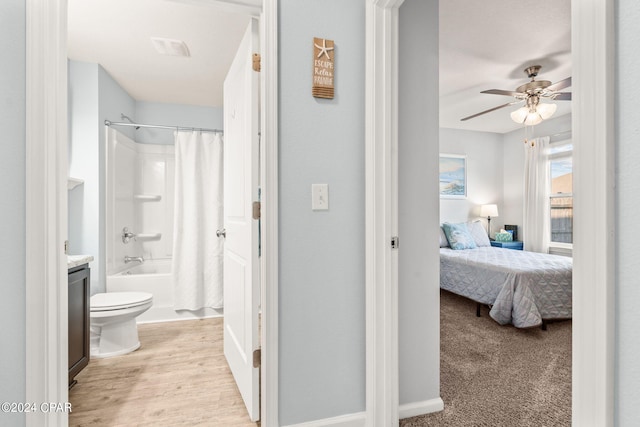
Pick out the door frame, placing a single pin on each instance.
(46, 209)
(381, 219)
(594, 268)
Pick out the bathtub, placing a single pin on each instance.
(154, 276)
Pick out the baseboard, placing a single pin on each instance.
(350, 420)
(420, 408)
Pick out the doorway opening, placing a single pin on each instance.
(164, 190)
(592, 395)
(482, 164)
(47, 75)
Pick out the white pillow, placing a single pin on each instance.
(478, 233)
(444, 243)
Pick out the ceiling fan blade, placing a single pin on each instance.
(562, 96)
(561, 84)
(502, 92)
(490, 110)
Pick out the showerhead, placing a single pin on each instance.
(123, 117)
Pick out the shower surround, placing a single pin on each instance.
(140, 197)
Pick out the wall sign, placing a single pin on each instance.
(323, 68)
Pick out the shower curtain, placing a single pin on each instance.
(197, 252)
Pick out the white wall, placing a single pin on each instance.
(120, 205)
(155, 172)
(627, 124)
(418, 266)
(484, 175)
(135, 170)
(12, 207)
(321, 253)
(513, 196)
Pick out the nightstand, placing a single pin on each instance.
(508, 245)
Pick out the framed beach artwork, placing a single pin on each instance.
(453, 176)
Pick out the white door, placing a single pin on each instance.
(241, 266)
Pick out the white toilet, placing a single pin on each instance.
(113, 322)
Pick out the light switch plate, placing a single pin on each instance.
(319, 197)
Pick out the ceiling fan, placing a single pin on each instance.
(534, 111)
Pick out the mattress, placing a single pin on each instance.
(522, 288)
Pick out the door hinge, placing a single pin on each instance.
(256, 210)
(257, 356)
(66, 247)
(256, 62)
(395, 242)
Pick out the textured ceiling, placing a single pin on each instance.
(483, 45)
(487, 45)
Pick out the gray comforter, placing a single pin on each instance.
(521, 287)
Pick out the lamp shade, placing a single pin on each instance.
(546, 110)
(533, 115)
(533, 119)
(520, 114)
(488, 210)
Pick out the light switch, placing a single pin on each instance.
(319, 197)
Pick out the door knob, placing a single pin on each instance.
(222, 233)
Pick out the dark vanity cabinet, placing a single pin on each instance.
(78, 320)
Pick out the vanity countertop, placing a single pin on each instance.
(76, 260)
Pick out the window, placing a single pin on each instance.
(561, 193)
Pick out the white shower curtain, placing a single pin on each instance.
(536, 196)
(197, 251)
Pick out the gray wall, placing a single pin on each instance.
(12, 206)
(321, 271)
(418, 266)
(484, 175)
(627, 125)
(83, 156)
(173, 115)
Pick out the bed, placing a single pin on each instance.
(522, 288)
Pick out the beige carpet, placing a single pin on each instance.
(494, 375)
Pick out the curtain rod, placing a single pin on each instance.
(177, 128)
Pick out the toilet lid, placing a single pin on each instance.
(119, 300)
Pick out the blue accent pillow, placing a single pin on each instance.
(459, 236)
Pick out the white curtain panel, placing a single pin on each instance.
(536, 227)
(197, 251)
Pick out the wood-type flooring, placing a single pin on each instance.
(178, 377)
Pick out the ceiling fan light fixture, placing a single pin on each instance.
(534, 112)
(533, 118)
(520, 115)
(546, 110)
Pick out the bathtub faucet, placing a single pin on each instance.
(128, 259)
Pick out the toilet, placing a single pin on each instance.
(113, 322)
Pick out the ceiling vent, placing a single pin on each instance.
(170, 47)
